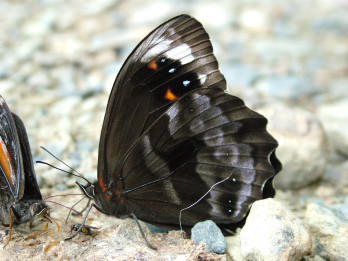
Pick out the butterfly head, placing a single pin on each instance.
(40, 209)
(87, 189)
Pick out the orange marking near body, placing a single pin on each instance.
(102, 184)
(5, 161)
(118, 192)
(153, 65)
(170, 96)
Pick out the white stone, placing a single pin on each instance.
(273, 233)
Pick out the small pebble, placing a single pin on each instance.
(209, 233)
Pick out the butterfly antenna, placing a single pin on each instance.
(217, 183)
(71, 209)
(59, 160)
(63, 195)
(68, 172)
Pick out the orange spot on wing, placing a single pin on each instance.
(5, 161)
(170, 96)
(102, 184)
(153, 65)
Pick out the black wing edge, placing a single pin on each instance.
(31, 189)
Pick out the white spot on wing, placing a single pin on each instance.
(185, 52)
(156, 50)
(202, 78)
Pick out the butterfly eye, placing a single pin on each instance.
(36, 208)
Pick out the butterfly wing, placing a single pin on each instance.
(203, 138)
(11, 165)
(31, 189)
(175, 58)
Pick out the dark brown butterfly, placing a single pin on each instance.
(171, 132)
(20, 196)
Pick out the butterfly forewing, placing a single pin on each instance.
(171, 61)
(10, 155)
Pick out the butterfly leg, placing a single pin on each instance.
(84, 209)
(142, 231)
(78, 212)
(11, 225)
(84, 221)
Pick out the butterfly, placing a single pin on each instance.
(171, 132)
(20, 196)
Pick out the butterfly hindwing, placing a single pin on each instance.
(31, 187)
(204, 137)
(174, 59)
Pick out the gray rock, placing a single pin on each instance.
(112, 39)
(27, 48)
(240, 75)
(334, 119)
(209, 233)
(272, 232)
(156, 229)
(344, 206)
(330, 227)
(271, 48)
(336, 90)
(286, 87)
(4, 72)
(338, 174)
(337, 24)
(302, 145)
(255, 20)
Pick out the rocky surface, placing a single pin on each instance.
(329, 227)
(58, 61)
(273, 233)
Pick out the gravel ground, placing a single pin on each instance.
(287, 59)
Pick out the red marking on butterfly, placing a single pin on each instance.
(170, 96)
(153, 65)
(102, 184)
